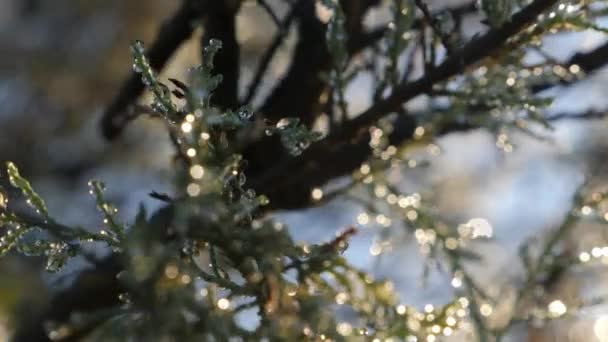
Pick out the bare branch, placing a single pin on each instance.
(434, 24)
(283, 30)
(270, 12)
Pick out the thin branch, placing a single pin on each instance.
(283, 30)
(342, 152)
(270, 12)
(471, 53)
(588, 62)
(434, 24)
(221, 24)
(591, 115)
(177, 30)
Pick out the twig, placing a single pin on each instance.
(270, 12)
(541, 262)
(435, 25)
(283, 29)
(472, 52)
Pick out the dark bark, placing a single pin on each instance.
(289, 183)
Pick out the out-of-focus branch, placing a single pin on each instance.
(592, 60)
(270, 12)
(283, 30)
(301, 86)
(341, 153)
(469, 54)
(588, 62)
(220, 24)
(298, 93)
(434, 24)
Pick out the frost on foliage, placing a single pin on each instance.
(116, 230)
(40, 234)
(162, 94)
(337, 38)
(231, 120)
(497, 11)
(189, 269)
(202, 82)
(398, 38)
(294, 136)
(32, 198)
(250, 261)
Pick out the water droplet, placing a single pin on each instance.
(3, 199)
(138, 47)
(125, 298)
(284, 123)
(146, 81)
(245, 114)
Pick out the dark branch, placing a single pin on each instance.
(302, 85)
(297, 93)
(341, 153)
(220, 24)
(283, 30)
(589, 62)
(270, 12)
(434, 24)
(471, 53)
(591, 115)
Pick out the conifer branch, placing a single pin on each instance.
(469, 54)
(172, 34)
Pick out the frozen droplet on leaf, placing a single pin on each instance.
(263, 200)
(304, 144)
(245, 114)
(125, 298)
(3, 199)
(285, 122)
(250, 194)
(242, 179)
(214, 44)
(137, 47)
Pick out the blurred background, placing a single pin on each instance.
(62, 61)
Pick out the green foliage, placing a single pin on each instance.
(294, 136)
(193, 266)
(162, 95)
(32, 198)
